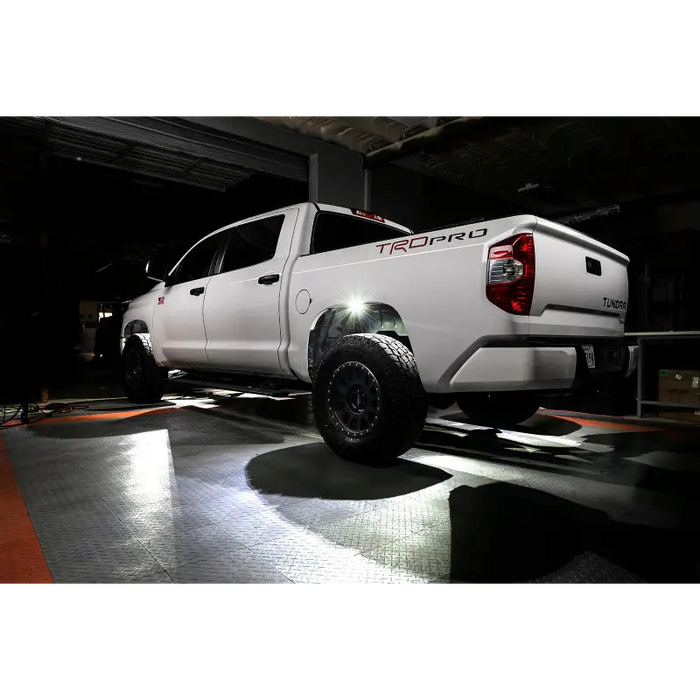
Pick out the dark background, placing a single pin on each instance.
(81, 218)
(81, 232)
(72, 230)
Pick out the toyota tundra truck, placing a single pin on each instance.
(380, 322)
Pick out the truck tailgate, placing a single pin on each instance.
(580, 284)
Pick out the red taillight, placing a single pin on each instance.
(511, 274)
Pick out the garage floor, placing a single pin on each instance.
(218, 487)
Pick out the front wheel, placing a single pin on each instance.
(144, 380)
(369, 402)
(495, 411)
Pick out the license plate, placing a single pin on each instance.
(590, 356)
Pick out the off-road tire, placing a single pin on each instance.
(498, 412)
(400, 406)
(149, 385)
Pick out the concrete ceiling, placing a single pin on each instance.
(557, 164)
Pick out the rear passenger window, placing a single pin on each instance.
(335, 231)
(253, 243)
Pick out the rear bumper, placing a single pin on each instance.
(542, 368)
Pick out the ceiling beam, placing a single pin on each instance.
(184, 138)
(381, 127)
(419, 142)
(462, 128)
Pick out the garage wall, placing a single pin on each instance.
(682, 216)
(398, 195)
(336, 178)
(422, 202)
(335, 174)
(662, 244)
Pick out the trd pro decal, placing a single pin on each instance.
(408, 244)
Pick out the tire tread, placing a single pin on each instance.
(394, 366)
(153, 382)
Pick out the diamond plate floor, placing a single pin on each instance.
(227, 489)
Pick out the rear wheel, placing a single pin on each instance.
(369, 402)
(498, 411)
(144, 380)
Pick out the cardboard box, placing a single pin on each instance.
(679, 386)
(687, 416)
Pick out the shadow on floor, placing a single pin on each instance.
(661, 462)
(314, 471)
(503, 533)
(675, 472)
(185, 428)
(537, 425)
(234, 423)
(631, 445)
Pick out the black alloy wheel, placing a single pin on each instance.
(355, 398)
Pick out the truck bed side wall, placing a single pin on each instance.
(438, 288)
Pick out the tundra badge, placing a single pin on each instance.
(614, 304)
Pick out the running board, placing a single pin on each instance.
(182, 379)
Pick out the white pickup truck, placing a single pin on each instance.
(383, 322)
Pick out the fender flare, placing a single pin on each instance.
(135, 326)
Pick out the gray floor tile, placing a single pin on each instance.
(257, 528)
(239, 567)
(72, 561)
(231, 501)
(425, 554)
(193, 547)
(590, 568)
(150, 524)
(309, 558)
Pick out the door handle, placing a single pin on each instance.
(196, 291)
(268, 279)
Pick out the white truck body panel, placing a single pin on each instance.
(242, 317)
(568, 300)
(178, 323)
(516, 369)
(436, 281)
(437, 290)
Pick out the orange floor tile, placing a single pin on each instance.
(21, 558)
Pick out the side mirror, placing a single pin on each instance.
(157, 269)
